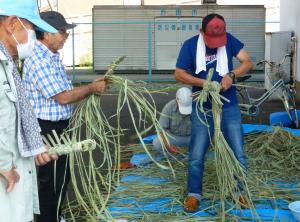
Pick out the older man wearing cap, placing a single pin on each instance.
(20, 140)
(175, 120)
(52, 96)
(212, 48)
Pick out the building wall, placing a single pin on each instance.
(272, 11)
(125, 31)
(79, 11)
(289, 21)
(288, 15)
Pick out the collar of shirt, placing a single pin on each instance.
(42, 49)
(2, 56)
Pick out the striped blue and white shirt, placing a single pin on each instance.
(44, 77)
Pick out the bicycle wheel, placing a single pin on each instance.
(290, 105)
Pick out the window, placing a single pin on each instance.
(194, 12)
(163, 12)
(178, 12)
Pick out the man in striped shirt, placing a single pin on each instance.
(52, 96)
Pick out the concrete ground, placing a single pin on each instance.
(83, 75)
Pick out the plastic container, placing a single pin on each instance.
(295, 208)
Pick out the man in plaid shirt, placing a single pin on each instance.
(52, 96)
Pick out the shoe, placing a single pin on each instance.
(126, 165)
(191, 204)
(244, 202)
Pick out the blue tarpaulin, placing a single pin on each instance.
(267, 210)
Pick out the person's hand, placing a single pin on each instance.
(172, 149)
(226, 82)
(44, 158)
(209, 86)
(11, 177)
(98, 86)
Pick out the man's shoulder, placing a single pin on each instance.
(38, 56)
(170, 105)
(231, 39)
(192, 40)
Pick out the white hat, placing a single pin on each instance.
(184, 100)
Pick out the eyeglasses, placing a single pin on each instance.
(64, 32)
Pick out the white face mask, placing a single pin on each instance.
(25, 49)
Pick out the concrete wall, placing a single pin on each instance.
(289, 21)
(79, 11)
(158, 47)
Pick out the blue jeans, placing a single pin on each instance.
(200, 141)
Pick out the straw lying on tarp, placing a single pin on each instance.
(140, 187)
(274, 156)
(138, 190)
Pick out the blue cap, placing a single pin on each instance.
(26, 9)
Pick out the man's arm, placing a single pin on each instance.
(184, 77)
(165, 122)
(170, 147)
(79, 93)
(245, 65)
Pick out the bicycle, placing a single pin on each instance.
(281, 82)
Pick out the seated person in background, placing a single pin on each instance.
(175, 120)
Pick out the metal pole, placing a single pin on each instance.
(149, 52)
(73, 55)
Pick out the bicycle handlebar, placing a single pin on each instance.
(272, 64)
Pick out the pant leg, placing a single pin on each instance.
(51, 188)
(157, 144)
(179, 141)
(199, 143)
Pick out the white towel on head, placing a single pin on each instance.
(222, 60)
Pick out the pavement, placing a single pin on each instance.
(84, 75)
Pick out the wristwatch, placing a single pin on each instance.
(231, 74)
